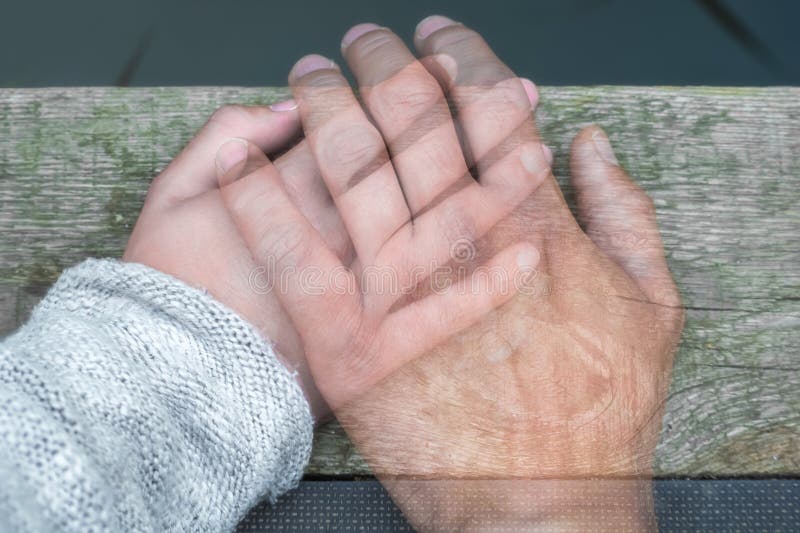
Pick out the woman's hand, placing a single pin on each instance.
(185, 230)
(321, 249)
(407, 200)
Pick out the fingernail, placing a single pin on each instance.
(548, 154)
(603, 147)
(310, 64)
(448, 65)
(286, 105)
(357, 31)
(431, 24)
(231, 153)
(531, 156)
(531, 91)
(528, 257)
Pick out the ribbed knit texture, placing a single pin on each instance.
(133, 402)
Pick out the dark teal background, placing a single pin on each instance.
(247, 42)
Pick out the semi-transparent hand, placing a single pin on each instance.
(565, 383)
(354, 319)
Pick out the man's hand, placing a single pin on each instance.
(566, 382)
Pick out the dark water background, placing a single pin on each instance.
(556, 42)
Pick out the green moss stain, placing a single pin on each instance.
(42, 275)
(121, 211)
(30, 150)
(704, 125)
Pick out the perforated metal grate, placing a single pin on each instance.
(681, 505)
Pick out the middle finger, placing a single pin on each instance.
(407, 104)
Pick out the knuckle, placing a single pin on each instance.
(628, 242)
(229, 115)
(350, 150)
(441, 157)
(355, 149)
(646, 203)
(286, 244)
(634, 199)
(458, 226)
(456, 36)
(650, 204)
(243, 204)
(507, 95)
(248, 203)
(320, 79)
(371, 43)
(672, 310)
(409, 93)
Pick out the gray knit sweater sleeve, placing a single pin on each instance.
(132, 402)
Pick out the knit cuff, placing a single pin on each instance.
(221, 382)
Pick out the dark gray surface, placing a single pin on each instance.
(255, 42)
(681, 505)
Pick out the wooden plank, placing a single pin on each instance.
(723, 166)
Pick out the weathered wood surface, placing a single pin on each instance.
(723, 166)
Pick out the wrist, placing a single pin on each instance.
(320, 410)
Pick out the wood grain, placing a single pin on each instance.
(723, 166)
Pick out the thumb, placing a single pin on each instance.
(618, 216)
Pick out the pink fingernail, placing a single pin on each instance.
(431, 24)
(286, 105)
(231, 153)
(310, 64)
(531, 156)
(448, 64)
(603, 147)
(531, 91)
(357, 31)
